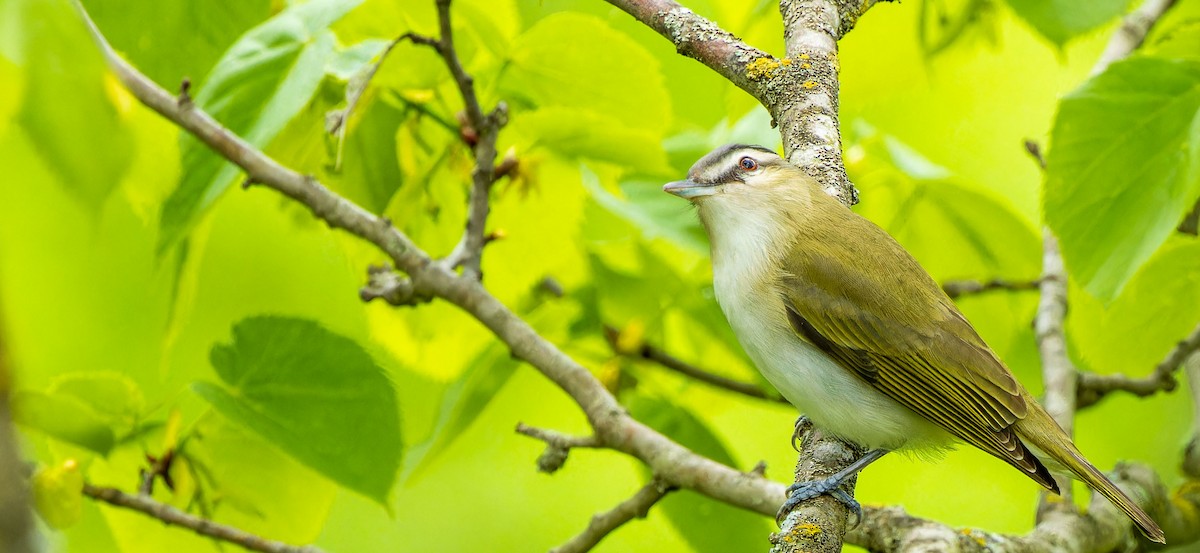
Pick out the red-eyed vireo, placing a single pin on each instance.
(853, 332)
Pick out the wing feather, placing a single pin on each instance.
(917, 349)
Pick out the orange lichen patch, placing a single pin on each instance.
(762, 67)
(785, 61)
(804, 56)
(809, 84)
(806, 65)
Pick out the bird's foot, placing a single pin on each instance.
(802, 426)
(803, 491)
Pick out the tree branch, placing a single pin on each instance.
(17, 533)
(603, 524)
(614, 427)
(674, 464)
(479, 131)
(666, 360)
(1093, 387)
(1058, 373)
(958, 288)
(558, 445)
(170, 515)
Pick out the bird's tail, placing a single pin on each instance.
(1058, 446)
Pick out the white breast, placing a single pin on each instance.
(833, 397)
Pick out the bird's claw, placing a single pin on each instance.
(803, 491)
(802, 425)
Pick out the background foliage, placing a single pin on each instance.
(149, 308)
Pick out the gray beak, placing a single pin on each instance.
(689, 189)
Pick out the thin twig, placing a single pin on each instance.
(338, 120)
(479, 131)
(603, 524)
(170, 515)
(959, 288)
(558, 445)
(613, 426)
(666, 360)
(1093, 387)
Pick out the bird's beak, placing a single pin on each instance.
(689, 189)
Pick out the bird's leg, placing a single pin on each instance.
(803, 491)
(802, 426)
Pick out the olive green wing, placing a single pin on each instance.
(881, 316)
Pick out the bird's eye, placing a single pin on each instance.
(748, 164)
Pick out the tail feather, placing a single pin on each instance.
(1057, 445)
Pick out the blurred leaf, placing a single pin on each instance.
(654, 212)
(370, 172)
(185, 39)
(64, 418)
(1123, 168)
(1062, 20)
(955, 230)
(351, 61)
(485, 376)
(707, 525)
(1156, 310)
(944, 23)
(316, 395)
(1181, 40)
(58, 494)
(112, 396)
(551, 67)
(462, 403)
(581, 133)
(264, 79)
(68, 109)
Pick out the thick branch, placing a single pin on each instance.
(1093, 387)
(697, 38)
(1103, 529)
(674, 464)
(204, 527)
(603, 524)
(677, 465)
(666, 360)
(1191, 456)
(1058, 373)
(17, 534)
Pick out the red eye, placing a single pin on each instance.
(748, 164)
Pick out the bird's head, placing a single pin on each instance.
(740, 184)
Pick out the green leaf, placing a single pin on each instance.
(655, 213)
(551, 67)
(67, 109)
(1123, 168)
(463, 401)
(264, 79)
(581, 133)
(707, 525)
(186, 38)
(114, 397)
(370, 172)
(1062, 20)
(1157, 309)
(955, 229)
(316, 395)
(64, 418)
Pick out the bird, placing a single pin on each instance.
(851, 330)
